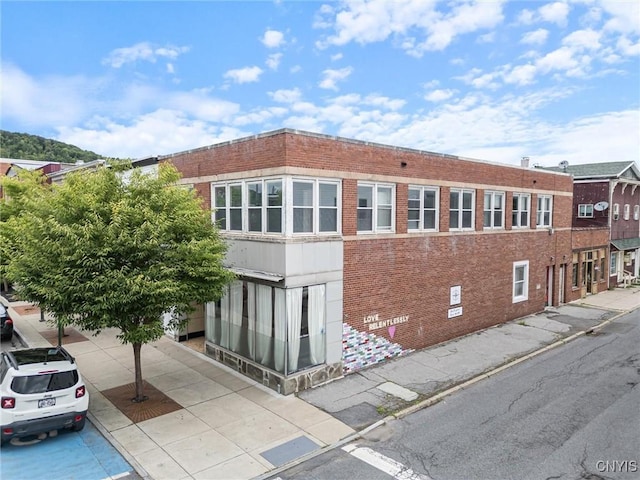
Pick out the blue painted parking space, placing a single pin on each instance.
(84, 455)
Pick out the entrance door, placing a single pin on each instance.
(550, 271)
(561, 280)
(588, 274)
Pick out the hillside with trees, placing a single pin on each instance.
(32, 147)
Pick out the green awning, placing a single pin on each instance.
(626, 243)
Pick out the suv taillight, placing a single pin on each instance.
(80, 391)
(8, 402)
(8, 322)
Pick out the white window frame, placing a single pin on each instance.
(626, 211)
(520, 297)
(422, 209)
(492, 210)
(460, 211)
(517, 212)
(585, 210)
(316, 206)
(636, 212)
(616, 211)
(375, 207)
(286, 207)
(542, 210)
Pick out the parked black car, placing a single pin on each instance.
(7, 323)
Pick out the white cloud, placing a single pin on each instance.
(555, 13)
(156, 133)
(419, 25)
(521, 75)
(273, 61)
(47, 101)
(535, 37)
(141, 51)
(286, 96)
(439, 95)
(244, 75)
(272, 39)
(625, 16)
(583, 39)
(331, 77)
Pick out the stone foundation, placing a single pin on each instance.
(284, 385)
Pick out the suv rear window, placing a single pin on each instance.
(48, 382)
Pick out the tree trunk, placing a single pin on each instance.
(138, 369)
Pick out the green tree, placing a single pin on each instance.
(17, 194)
(119, 249)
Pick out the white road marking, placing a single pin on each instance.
(116, 477)
(385, 464)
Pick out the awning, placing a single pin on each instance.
(268, 276)
(626, 243)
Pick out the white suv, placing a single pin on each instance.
(42, 391)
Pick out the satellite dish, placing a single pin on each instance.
(563, 164)
(600, 206)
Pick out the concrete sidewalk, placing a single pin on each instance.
(230, 427)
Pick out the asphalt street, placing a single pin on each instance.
(572, 412)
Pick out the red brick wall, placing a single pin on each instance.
(412, 276)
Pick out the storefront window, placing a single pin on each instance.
(281, 329)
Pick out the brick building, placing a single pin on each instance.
(349, 253)
(606, 225)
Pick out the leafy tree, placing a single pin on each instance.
(17, 193)
(107, 249)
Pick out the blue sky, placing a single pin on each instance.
(493, 80)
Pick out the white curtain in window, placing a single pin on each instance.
(210, 321)
(224, 324)
(280, 313)
(294, 316)
(316, 309)
(251, 327)
(264, 321)
(235, 314)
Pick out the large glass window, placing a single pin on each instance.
(494, 210)
(543, 214)
(258, 206)
(461, 206)
(254, 201)
(423, 208)
(220, 206)
(520, 210)
(274, 206)
(302, 206)
(376, 207)
(520, 281)
(235, 207)
(281, 329)
(328, 207)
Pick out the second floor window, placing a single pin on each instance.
(258, 206)
(585, 210)
(461, 206)
(494, 210)
(422, 208)
(626, 211)
(543, 215)
(375, 207)
(520, 212)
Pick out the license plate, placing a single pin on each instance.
(46, 402)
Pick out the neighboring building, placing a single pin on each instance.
(606, 223)
(349, 253)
